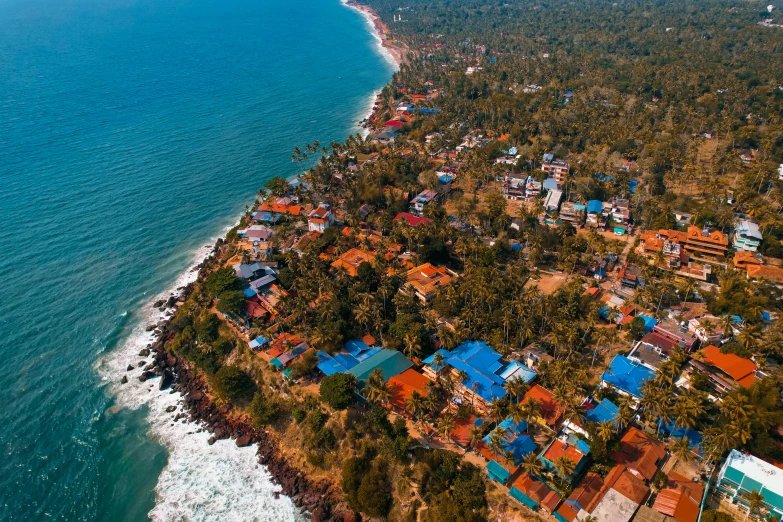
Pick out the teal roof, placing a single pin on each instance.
(497, 472)
(773, 499)
(748, 484)
(390, 362)
(734, 475)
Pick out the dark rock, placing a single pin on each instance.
(129, 368)
(141, 364)
(170, 409)
(165, 380)
(150, 327)
(196, 396)
(243, 441)
(149, 367)
(171, 301)
(211, 440)
(145, 352)
(124, 379)
(159, 303)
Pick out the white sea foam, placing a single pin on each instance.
(383, 51)
(200, 482)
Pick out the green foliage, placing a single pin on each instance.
(263, 409)
(337, 390)
(231, 302)
(233, 384)
(636, 328)
(277, 187)
(222, 280)
(374, 493)
(207, 328)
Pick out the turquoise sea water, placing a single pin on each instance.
(133, 132)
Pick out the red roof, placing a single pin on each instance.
(412, 220)
(640, 453)
(559, 449)
(664, 343)
(403, 385)
(740, 369)
(625, 483)
(550, 411)
(680, 499)
(393, 123)
(584, 493)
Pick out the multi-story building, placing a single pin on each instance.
(706, 241)
(556, 169)
(747, 236)
(514, 186)
(320, 218)
(425, 280)
(742, 474)
(573, 212)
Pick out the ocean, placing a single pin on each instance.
(132, 135)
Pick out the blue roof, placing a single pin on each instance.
(259, 341)
(517, 428)
(249, 292)
(550, 184)
(627, 376)
(632, 185)
(595, 206)
(355, 346)
(694, 437)
(605, 411)
(520, 446)
(429, 360)
(649, 323)
(480, 362)
(517, 370)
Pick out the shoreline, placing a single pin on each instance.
(395, 49)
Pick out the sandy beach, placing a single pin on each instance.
(398, 50)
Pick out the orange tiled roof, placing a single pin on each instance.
(680, 499)
(294, 210)
(716, 237)
(742, 259)
(550, 411)
(640, 453)
(427, 278)
(403, 385)
(550, 502)
(531, 487)
(772, 273)
(351, 260)
(740, 369)
(559, 449)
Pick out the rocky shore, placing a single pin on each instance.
(319, 500)
(397, 49)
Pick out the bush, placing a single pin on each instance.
(298, 415)
(636, 328)
(207, 328)
(263, 410)
(233, 384)
(337, 390)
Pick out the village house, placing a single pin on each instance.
(725, 370)
(533, 493)
(425, 280)
(587, 489)
(550, 413)
(425, 198)
(402, 386)
(770, 273)
(514, 186)
(532, 189)
(412, 220)
(595, 217)
(351, 260)
(639, 453)
(626, 376)
(620, 496)
(708, 329)
(652, 350)
(555, 169)
(746, 236)
(680, 499)
(552, 204)
(573, 212)
(486, 371)
(577, 453)
(320, 218)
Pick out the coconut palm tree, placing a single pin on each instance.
(681, 448)
(516, 388)
(476, 436)
(755, 502)
(497, 439)
(532, 465)
(377, 391)
(412, 346)
(414, 405)
(446, 425)
(605, 431)
(564, 467)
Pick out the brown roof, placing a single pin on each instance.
(715, 237)
(640, 453)
(624, 482)
(772, 273)
(680, 499)
(531, 487)
(742, 259)
(584, 493)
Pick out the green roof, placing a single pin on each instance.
(390, 362)
(524, 499)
